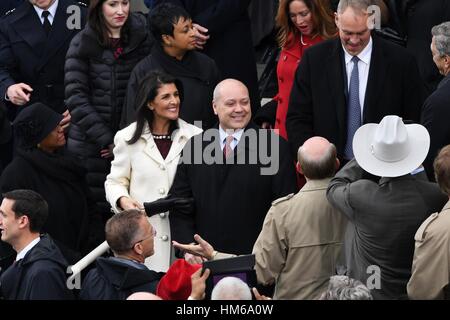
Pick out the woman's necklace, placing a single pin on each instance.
(161, 136)
(301, 40)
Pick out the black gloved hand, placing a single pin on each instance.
(168, 203)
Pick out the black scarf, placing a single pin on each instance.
(57, 165)
(189, 67)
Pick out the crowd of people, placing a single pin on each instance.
(138, 129)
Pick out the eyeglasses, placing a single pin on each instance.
(152, 235)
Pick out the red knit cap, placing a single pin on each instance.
(176, 283)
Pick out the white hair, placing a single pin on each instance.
(231, 288)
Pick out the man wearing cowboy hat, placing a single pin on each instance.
(384, 215)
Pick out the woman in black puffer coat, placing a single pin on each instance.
(98, 66)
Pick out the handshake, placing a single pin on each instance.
(182, 205)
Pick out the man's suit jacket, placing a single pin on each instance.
(318, 101)
(383, 218)
(231, 200)
(435, 115)
(27, 55)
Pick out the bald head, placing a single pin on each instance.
(227, 84)
(231, 103)
(317, 158)
(143, 296)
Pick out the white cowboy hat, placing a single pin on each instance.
(390, 148)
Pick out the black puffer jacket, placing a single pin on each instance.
(96, 84)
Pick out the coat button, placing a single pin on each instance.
(162, 167)
(162, 215)
(284, 58)
(165, 238)
(162, 191)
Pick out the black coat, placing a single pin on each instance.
(318, 101)
(27, 55)
(7, 5)
(230, 44)
(96, 84)
(40, 275)
(418, 17)
(115, 280)
(73, 216)
(435, 115)
(231, 200)
(198, 74)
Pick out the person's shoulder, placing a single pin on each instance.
(188, 128)
(391, 49)
(283, 200)
(80, 4)
(127, 132)
(324, 47)
(435, 227)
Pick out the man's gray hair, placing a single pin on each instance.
(231, 288)
(357, 5)
(345, 288)
(441, 35)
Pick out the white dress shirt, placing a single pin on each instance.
(237, 134)
(363, 67)
(25, 250)
(51, 9)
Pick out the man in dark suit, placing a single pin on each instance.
(223, 31)
(34, 39)
(39, 271)
(343, 83)
(234, 172)
(436, 110)
(414, 19)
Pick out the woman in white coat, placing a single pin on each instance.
(146, 155)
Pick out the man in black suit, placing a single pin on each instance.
(39, 271)
(34, 39)
(234, 172)
(334, 93)
(436, 110)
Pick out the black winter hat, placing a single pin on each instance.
(34, 123)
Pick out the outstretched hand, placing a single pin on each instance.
(202, 249)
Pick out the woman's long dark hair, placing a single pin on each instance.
(147, 92)
(97, 22)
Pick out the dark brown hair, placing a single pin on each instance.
(322, 18)
(97, 22)
(442, 169)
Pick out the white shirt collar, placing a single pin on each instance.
(25, 250)
(364, 55)
(237, 134)
(52, 11)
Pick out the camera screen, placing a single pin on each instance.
(240, 275)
